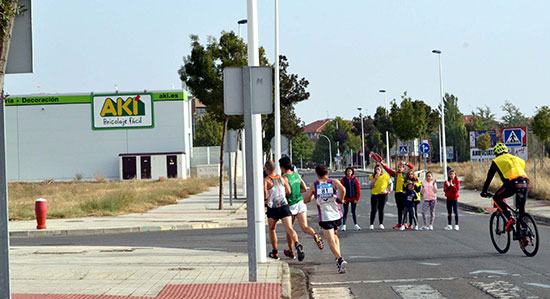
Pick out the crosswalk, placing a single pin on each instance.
(419, 289)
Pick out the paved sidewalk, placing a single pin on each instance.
(91, 272)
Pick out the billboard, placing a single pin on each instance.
(122, 111)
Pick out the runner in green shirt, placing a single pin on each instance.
(298, 208)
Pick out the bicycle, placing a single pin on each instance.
(524, 231)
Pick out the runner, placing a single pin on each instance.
(328, 195)
(275, 190)
(297, 206)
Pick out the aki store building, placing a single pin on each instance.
(115, 136)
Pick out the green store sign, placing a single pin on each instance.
(86, 99)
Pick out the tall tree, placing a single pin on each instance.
(8, 10)
(455, 130)
(208, 131)
(513, 117)
(203, 73)
(382, 122)
(409, 119)
(483, 120)
(541, 126)
(302, 149)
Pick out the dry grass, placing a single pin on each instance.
(101, 198)
(539, 187)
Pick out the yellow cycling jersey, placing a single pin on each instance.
(510, 166)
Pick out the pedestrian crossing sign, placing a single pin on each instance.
(403, 150)
(513, 137)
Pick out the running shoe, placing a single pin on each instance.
(397, 226)
(319, 241)
(357, 227)
(299, 250)
(448, 227)
(416, 228)
(290, 254)
(402, 227)
(342, 265)
(405, 225)
(425, 228)
(431, 227)
(371, 227)
(456, 227)
(274, 255)
(343, 228)
(381, 226)
(510, 224)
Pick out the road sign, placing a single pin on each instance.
(514, 136)
(284, 145)
(424, 148)
(258, 80)
(403, 150)
(450, 152)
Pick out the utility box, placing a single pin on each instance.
(143, 166)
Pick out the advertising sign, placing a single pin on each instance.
(122, 111)
(474, 135)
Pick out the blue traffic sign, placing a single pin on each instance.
(513, 137)
(403, 150)
(424, 148)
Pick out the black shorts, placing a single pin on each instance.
(278, 213)
(334, 224)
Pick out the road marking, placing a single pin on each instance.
(502, 289)
(498, 272)
(417, 291)
(363, 256)
(430, 264)
(540, 285)
(338, 292)
(383, 281)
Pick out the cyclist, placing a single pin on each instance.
(511, 171)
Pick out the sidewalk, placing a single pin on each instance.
(91, 272)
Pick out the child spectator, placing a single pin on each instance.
(399, 178)
(411, 177)
(429, 193)
(379, 182)
(410, 197)
(451, 187)
(353, 193)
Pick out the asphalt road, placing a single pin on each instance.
(382, 263)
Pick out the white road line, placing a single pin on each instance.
(417, 291)
(382, 281)
(430, 264)
(498, 272)
(540, 285)
(363, 256)
(338, 292)
(502, 289)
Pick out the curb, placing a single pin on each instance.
(286, 286)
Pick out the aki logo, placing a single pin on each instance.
(132, 106)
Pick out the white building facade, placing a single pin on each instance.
(64, 136)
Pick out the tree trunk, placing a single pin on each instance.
(5, 42)
(220, 205)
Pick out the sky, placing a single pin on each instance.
(492, 51)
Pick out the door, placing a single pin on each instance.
(145, 167)
(128, 168)
(172, 166)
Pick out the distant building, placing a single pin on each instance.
(314, 129)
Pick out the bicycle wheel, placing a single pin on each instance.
(529, 235)
(499, 236)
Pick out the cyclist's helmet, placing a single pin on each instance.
(500, 149)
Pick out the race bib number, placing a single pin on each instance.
(325, 191)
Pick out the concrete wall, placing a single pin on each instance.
(57, 141)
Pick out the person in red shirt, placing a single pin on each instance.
(353, 193)
(451, 187)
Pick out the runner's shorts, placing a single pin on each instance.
(334, 224)
(278, 213)
(298, 208)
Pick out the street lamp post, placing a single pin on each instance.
(277, 104)
(387, 133)
(362, 138)
(241, 22)
(443, 141)
(329, 150)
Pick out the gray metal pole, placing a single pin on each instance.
(329, 150)
(277, 103)
(4, 234)
(230, 180)
(362, 140)
(255, 208)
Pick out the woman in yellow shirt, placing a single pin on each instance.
(379, 184)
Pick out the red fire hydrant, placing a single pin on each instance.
(41, 211)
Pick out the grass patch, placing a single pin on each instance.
(539, 187)
(101, 198)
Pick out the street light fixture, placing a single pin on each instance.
(443, 144)
(329, 150)
(387, 133)
(362, 138)
(241, 22)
